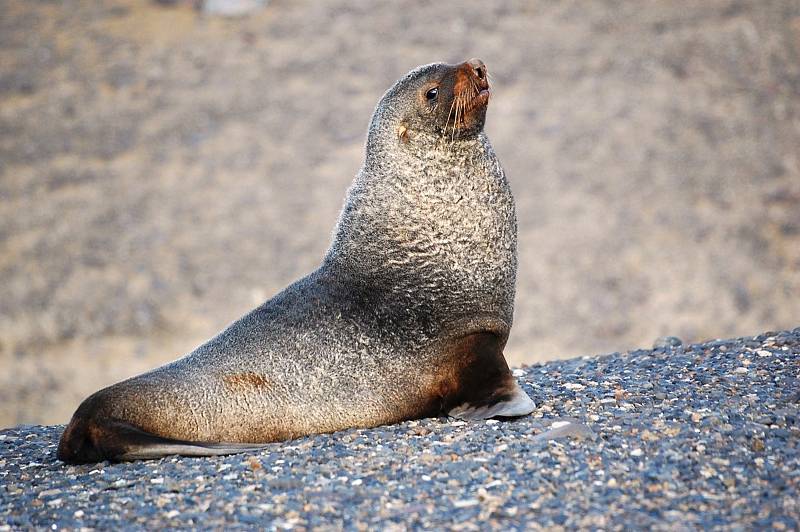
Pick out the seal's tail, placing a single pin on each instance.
(86, 441)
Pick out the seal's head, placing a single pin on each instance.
(437, 100)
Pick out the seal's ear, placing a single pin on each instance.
(402, 133)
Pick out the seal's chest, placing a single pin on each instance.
(461, 221)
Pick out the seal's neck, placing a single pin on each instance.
(431, 218)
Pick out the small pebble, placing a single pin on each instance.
(466, 503)
(667, 341)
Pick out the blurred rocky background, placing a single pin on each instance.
(165, 168)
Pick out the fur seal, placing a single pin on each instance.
(406, 317)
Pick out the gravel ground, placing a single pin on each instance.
(696, 436)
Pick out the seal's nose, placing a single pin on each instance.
(478, 67)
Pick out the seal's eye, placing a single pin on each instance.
(432, 94)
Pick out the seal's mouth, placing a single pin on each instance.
(471, 95)
(480, 99)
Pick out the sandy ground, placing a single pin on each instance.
(162, 172)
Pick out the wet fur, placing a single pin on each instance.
(406, 317)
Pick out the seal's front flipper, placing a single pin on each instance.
(86, 440)
(519, 404)
(482, 386)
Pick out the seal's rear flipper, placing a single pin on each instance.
(169, 447)
(483, 386)
(87, 441)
